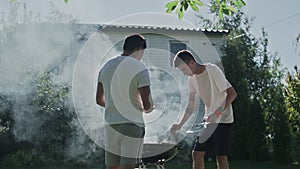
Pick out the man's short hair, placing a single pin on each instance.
(133, 42)
(183, 56)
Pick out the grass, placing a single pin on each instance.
(178, 165)
(236, 165)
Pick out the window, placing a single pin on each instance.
(176, 46)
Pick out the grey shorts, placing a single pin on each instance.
(123, 144)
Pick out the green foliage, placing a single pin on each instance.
(6, 120)
(220, 7)
(295, 144)
(258, 150)
(234, 67)
(227, 7)
(280, 128)
(292, 97)
(24, 158)
(269, 91)
(54, 115)
(292, 100)
(51, 99)
(18, 159)
(238, 65)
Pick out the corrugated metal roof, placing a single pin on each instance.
(103, 26)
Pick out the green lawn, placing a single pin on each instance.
(236, 165)
(177, 165)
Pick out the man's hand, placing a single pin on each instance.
(174, 128)
(145, 93)
(213, 118)
(149, 110)
(219, 111)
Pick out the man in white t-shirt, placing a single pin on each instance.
(124, 91)
(209, 83)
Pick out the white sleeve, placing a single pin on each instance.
(219, 79)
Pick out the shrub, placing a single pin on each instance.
(23, 158)
(295, 145)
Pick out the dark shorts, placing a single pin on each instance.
(216, 139)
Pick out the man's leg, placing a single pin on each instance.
(222, 162)
(223, 141)
(128, 163)
(112, 148)
(202, 145)
(112, 161)
(198, 159)
(132, 146)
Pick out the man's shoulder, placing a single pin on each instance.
(135, 64)
(210, 64)
(212, 67)
(110, 61)
(135, 61)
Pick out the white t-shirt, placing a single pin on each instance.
(121, 77)
(211, 86)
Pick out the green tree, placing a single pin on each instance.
(257, 131)
(280, 127)
(219, 7)
(234, 70)
(269, 90)
(292, 99)
(51, 101)
(235, 55)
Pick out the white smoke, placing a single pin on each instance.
(29, 48)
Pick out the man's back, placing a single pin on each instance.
(121, 77)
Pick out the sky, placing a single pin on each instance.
(281, 19)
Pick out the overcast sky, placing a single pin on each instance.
(281, 19)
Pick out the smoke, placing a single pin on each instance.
(37, 61)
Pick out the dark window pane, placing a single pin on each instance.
(175, 46)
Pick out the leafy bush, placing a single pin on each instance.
(52, 101)
(295, 144)
(26, 158)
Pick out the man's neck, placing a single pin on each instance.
(129, 55)
(125, 54)
(199, 68)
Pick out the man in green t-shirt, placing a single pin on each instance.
(124, 91)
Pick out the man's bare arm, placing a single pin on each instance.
(188, 112)
(145, 93)
(100, 97)
(231, 95)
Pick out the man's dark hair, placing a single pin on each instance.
(183, 56)
(133, 42)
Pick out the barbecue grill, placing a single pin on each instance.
(157, 154)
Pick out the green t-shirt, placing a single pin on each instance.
(121, 78)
